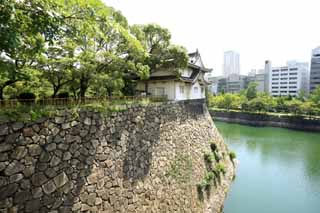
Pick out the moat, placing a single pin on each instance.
(279, 170)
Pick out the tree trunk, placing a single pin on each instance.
(83, 86)
(1, 93)
(55, 91)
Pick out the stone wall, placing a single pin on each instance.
(254, 119)
(144, 159)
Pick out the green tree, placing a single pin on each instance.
(294, 106)
(308, 108)
(257, 104)
(56, 64)
(25, 27)
(315, 96)
(251, 91)
(104, 46)
(161, 54)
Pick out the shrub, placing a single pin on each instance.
(213, 146)
(27, 96)
(204, 184)
(232, 155)
(209, 176)
(217, 156)
(220, 168)
(63, 95)
(209, 157)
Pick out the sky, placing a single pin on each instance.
(259, 30)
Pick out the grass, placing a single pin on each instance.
(32, 112)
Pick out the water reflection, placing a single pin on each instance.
(282, 165)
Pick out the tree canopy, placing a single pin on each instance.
(81, 47)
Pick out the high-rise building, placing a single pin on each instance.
(231, 63)
(315, 69)
(290, 79)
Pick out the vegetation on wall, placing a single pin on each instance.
(181, 168)
(78, 48)
(215, 169)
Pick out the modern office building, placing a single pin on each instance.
(315, 69)
(236, 83)
(259, 77)
(231, 63)
(290, 79)
(232, 84)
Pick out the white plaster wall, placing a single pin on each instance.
(197, 95)
(172, 89)
(186, 72)
(169, 88)
(186, 94)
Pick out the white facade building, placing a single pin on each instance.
(190, 85)
(231, 63)
(290, 79)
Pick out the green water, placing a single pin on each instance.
(279, 170)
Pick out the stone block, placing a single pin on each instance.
(14, 168)
(37, 192)
(38, 179)
(28, 132)
(17, 126)
(8, 190)
(34, 149)
(5, 147)
(33, 205)
(4, 130)
(51, 147)
(61, 180)
(22, 196)
(49, 187)
(55, 161)
(19, 152)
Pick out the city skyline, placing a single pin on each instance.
(258, 32)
